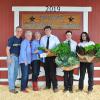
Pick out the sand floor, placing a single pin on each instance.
(50, 95)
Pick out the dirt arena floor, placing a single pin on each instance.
(50, 95)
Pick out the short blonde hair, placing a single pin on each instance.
(28, 33)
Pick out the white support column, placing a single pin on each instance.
(85, 21)
(16, 20)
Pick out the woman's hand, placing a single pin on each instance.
(25, 62)
(36, 51)
(48, 52)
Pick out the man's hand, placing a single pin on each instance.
(36, 51)
(9, 61)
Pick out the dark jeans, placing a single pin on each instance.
(25, 73)
(90, 71)
(50, 72)
(35, 69)
(68, 80)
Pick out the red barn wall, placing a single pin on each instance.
(7, 21)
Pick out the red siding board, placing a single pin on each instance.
(97, 73)
(3, 74)
(7, 21)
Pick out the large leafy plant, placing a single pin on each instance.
(65, 58)
(91, 50)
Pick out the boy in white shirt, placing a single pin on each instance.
(49, 41)
(68, 75)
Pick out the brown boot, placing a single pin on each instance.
(35, 86)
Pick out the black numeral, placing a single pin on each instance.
(53, 8)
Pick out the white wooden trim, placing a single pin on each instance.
(40, 83)
(96, 68)
(6, 80)
(3, 58)
(76, 9)
(43, 8)
(3, 80)
(85, 21)
(96, 78)
(5, 69)
(16, 20)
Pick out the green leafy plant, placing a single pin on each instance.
(98, 54)
(91, 50)
(97, 47)
(61, 49)
(80, 50)
(65, 58)
(41, 48)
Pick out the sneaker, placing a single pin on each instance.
(55, 90)
(71, 90)
(65, 90)
(80, 90)
(13, 91)
(47, 88)
(17, 87)
(25, 91)
(89, 91)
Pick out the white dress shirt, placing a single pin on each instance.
(73, 45)
(85, 43)
(53, 41)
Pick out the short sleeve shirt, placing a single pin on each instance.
(14, 44)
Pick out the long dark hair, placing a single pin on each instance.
(87, 37)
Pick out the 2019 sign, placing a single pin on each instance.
(53, 8)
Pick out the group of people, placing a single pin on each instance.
(24, 53)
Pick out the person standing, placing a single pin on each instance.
(35, 60)
(85, 41)
(13, 51)
(25, 60)
(49, 41)
(68, 75)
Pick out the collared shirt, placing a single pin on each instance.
(35, 44)
(14, 44)
(53, 41)
(73, 45)
(25, 52)
(85, 43)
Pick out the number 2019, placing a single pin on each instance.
(53, 8)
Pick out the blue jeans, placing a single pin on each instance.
(24, 78)
(13, 72)
(35, 70)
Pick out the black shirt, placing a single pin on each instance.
(14, 44)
